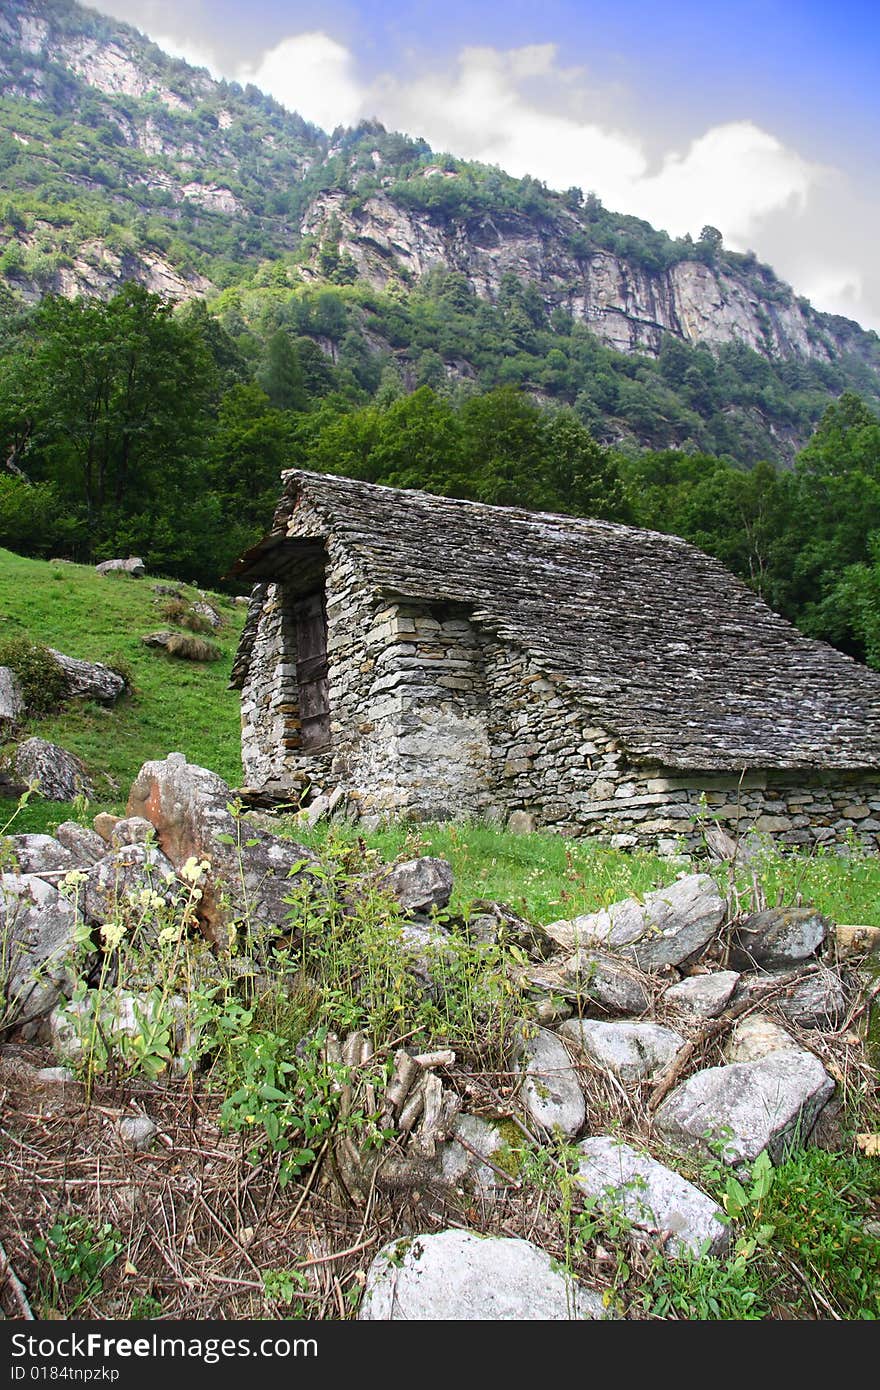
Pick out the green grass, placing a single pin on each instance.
(175, 706)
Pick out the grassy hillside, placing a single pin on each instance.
(173, 706)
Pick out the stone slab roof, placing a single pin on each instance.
(670, 652)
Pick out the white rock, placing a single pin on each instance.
(138, 1132)
(550, 1089)
(653, 1198)
(457, 1275)
(86, 846)
(11, 701)
(671, 925)
(747, 1107)
(632, 1051)
(421, 884)
(702, 996)
(756, 1036)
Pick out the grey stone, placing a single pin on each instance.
(58, 775)
(817, 1000)
(457, 1275)
(632, 1051)
(606, 980)
(209, 613)
(85, 846)
(35, 854)
(755, 1036)
(133, 565)
(702, 996)
(421, 944)
(115, 880)
(131, 830)
(316, 810)
(11, 699)
(550, 1090)
(463, 1168)
(37, 941)
(521, 823)
(90, 680)
(420, 885)
(138, 1132)
(778, 937)
(747, 1107)
(655, 1199)
(672, 924)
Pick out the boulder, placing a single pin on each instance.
(522, 823)
(85, 845)
(607, 981)
(161, 638)
(672, 925)
(167, 590)
(652, 1198)
(756, 1036)
(121, 1015)
(421, 885)
(817, 1000)
(632, 1051)
(37, 941)
(57, 774)
(702, 996)
(114, 883)
(90, 680)
(456, 1275)
(104, 823)
(492, 922)
(250, 871)
(39, 854)
(11, 700)
(134, 566)
(778, 937)
(550, 1090)
(747, 1107)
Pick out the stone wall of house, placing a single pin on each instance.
(431, 717)
(407, 699)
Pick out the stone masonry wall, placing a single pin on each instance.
(431, 718)
(407, 700)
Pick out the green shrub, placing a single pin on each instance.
(43, 683)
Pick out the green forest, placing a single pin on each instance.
(131, 427)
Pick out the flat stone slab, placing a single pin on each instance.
(457, 1275)
(607, 981)
(747, 1107)
(421, 885)
(655, 1199)
(702, 996)
(779, 936)
(673, 924)
(550, 1091)
(632, 1051)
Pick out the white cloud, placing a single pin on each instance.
(527, 112)
(311, 74)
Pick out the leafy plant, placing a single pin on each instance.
(78, 1252)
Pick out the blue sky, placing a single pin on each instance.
(762, 118)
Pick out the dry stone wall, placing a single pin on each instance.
(434, 717)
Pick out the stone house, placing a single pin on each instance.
(428, 658)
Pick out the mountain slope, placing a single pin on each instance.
(118, 162)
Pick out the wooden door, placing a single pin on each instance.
(310, 618)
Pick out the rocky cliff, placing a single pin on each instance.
(120, 163)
